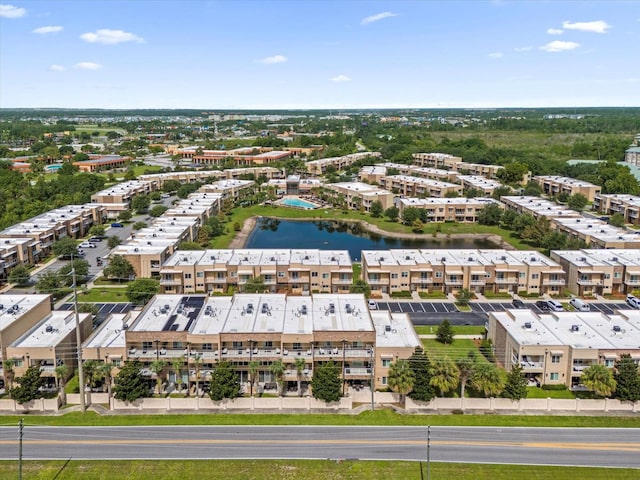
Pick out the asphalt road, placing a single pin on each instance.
(535, 446)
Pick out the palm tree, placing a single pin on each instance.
(401, 378)
(9, 373)
(278, 369)
(599, 379)
(300, 366)
(487, 379)
(91, 369)
(254, 365)
(61, 372)
(466, 367)
(176, 366)
(105, 372)
(157, 366)
(197, 361)
(445, 375)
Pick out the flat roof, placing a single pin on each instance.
(169, 313)
(51, 330)
(212, 316)
(111, 333)
(576, 329)
(423, 181)
(15, 306)
(394, 330)
(457, 202)
(467, 257)
(525, 327)
(568, 181)
(255, 313)
(345, 312)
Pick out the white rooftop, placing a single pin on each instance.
(15, 306)
(347, 312)
(427, 182)
(51, 330)
(111, 334)
(394, 330)
(568, 181)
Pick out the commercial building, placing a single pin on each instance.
(484, 185)
(449, 271)
(600, 272)
(554, 185)
(297, 272)
(294, 185)
(419, 187)
(319, 167)
(359, 195)
(463, 210)
(626, 205)
(556, 348)
(239, 156)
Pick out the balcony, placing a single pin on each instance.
(378, 281)
(357, 372)
(590, 281)
(478, 282)
(532, 366)
(580, 368)
(506, 281)
(173, 281)
(342, 281)
(557, 281)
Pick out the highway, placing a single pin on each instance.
(535, 446)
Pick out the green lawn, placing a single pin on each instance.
(111, 294)
(457, 329)
(536, 392)
(458, 349)
(294, 469)
(142, 169)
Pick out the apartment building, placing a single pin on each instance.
(556, 348)
(98, 163)
(107, 343)
(13, 252)
(374, 173)
(296, 272)
(199, 205)
(626, 205)
(232, 189)
(554, 185)
(482, 170)
(294, 185)
(538, 207)
(240, 156)
(463, 210)
(436, 160)
(361, 195)
(596, 233)
(419, 187)
(449, 271)
(319, 167)
(118, 198)
(190, 176)
(632, 154)
(600, 272)
(264, 328)
(484, 185)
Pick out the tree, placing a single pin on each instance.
(392, 214)
(19, 275)
(136, 226)
(119, 268)
(113, 241)
(81, 268)
(155, 196)
(255, 285)
(92, 373)
(410, 215)
(29, 386)
(490, 215)
(254, 367)
(130, 383)
(513, 172)
(444, 375)
(157, 210)
(141, 290)
(627, 379)
(376, 209)
(516, 385)
(300, 365)
(176, 366)
(326, 383)
(467, 368)
(444, 334)
(61, 372)
(277, 368)
(617, 220)
(464, 296)
(9, 373)
(421, 367)
(191, 246)
(140, 203)
(65, 247)
(125, 215)
(97, 230)
(501, 192)
(487, 380)
(104, 371)
(401, 378)
(224, 382)
(49, 282)
(577, 202)
(157, 367)
(360, 286)
(170, 186)
(197, 362)
(598, 379)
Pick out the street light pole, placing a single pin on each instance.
(83, 406)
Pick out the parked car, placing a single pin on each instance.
(580, 305)
(117, 224)
(95, 240)
(165, 195)
(372, 305)
(542, 305)
(633, 302)
(555, 306)
(87, 245)
(517, 303)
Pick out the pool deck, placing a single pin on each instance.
(280, 202)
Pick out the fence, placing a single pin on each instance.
(245, 404)
(38, 405)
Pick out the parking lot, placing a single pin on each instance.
(104, 309)
(418, 307)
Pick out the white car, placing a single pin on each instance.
(372, 305)
(633, 302)
(87, 245)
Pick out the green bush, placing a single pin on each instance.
(400, 294)
(430, 295)
(554, 387)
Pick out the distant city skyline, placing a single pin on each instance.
(318, 54)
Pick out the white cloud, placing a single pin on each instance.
(597, 26)
(559, 46)
(555, 31)
(87, 66)
(11, 11)
(57, 68)
(496, 55)
(49, 29)
(340, 79)
(378, 17)
(273, 60)
(110, 37)
(523, 49)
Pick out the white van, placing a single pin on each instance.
(632, 301)
(579, 305)
(555, 306)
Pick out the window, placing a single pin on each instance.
(617, 275)
(405, 274)
(438, 274)
(607, 276)
(386, 362)
(555, 358)
(535, 276)
(281, 274)
(147, 345)
(200, 274)
(236, 344)
(522, 274)
(609, 363)
(314, 274)
(207, 346)
(177, 345)
(325, 275)
(553, 376)
(394, 275)
(385, 380)
(297, 346)
(187, 276)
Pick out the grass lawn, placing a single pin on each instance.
(457, 329)
(105, 281)
(290, 469)
(102, 295)
(432, 295)
(458, 349)
(142, 169)
(536, 392)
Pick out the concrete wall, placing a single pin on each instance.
(280, 403)
(38, 405)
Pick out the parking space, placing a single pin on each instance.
(104, 310)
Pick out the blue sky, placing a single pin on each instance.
(318, 54)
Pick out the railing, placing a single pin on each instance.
(164, 281)
(554, 282)
(532, 365)
(357, 371)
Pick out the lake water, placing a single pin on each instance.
(337, 235)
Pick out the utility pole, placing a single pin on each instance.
(20, 450)
(372, 392)
(83, 406)
(429, 452)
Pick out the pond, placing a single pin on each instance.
(339, 235)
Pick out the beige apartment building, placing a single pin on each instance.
(359, 195)
(436, 160)
(319, 167)
(265, 328)
(596, 233)
(556, 348)
(232, 189)
(626, 205)
(600, 272)
(419, 187)
(13, 252)
(538, 207)
(477, 182)
(449, 271)
(296, 272)
(450, 162)
(553, 185)
(374, 173)
(118, 198)
(464, 210)
(192, 176)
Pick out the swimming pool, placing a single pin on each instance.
(298, 203)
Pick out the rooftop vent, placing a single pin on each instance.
(527, 325)
(616, 328)
(332, 308)
(49, 328)
(348, 308)
(250, 308)
(303, 311)
(387, 328)
(575, 328)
